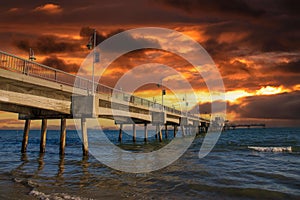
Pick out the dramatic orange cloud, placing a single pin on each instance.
(49, 9)
(255, 45)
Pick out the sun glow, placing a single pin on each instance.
(270, 90)
(236, 94)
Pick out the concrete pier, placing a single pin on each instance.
(63, 132)
(50, 94)
(43, 136)
(25, 135)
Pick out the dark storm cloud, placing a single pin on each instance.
(123, 42)
(206, 108)
(48, 44)
(231, 7)
(280, 106)
(291, 67)
(60, 64)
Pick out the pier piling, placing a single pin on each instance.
(166, 131)
(120, 133)
(134, 133)
(160, 133)
(63, 128)
(175, 130)
(145, 132)
(25, 135)
(85, 143)
(43, 136)
(182, 130)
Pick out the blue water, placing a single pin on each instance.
(230, 171)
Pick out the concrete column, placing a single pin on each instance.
(63, 131)
(160, 134)
(120, 133)
(43, 136)
(166, 131)
(182, 130)
(25, 135)
(175, 130)
(134, 133)
(85, 143)
(156, 132)
(145, 132)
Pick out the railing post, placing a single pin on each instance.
(25, 67)
(55, 76)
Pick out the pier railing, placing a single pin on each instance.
(30, 68)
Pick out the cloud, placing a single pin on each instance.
(231, 7)
(290, 67)
(60, 64)
(48, 44)
(280, 106)
(49, 9)
(206, 108)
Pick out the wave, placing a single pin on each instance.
(54, 196)
(271, 149)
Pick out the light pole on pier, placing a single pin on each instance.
(92, 45)
(163, 92)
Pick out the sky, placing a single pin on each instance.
(255, 45)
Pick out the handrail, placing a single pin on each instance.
(30, 68)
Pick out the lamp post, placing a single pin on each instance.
(163, 92)
(31, 55)
(92, 45)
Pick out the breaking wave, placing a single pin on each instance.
(271, 149)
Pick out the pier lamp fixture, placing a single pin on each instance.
(31, 55)
(91, 46)
(184, 99)
(163, 92)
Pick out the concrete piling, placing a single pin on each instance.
(175, 130)
(134, 133)
(166, 131)
(85, 143)
(120, 133)
(145, 132)
(43, 136)
(63, 132)
(25, 135)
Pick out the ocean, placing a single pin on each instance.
(243, 165)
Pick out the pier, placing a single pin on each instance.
(39, 92)
(232, 126)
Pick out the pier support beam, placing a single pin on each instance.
(85, 143)
(120, 133)
(43, 136)
(166, 131)
(63, 131)
(134, 133)
(145, 132)
(25, 135)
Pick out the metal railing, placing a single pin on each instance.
(20, 65)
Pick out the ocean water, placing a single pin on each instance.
(243, 165)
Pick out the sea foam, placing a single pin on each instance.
(271, 149)
(54, 196)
